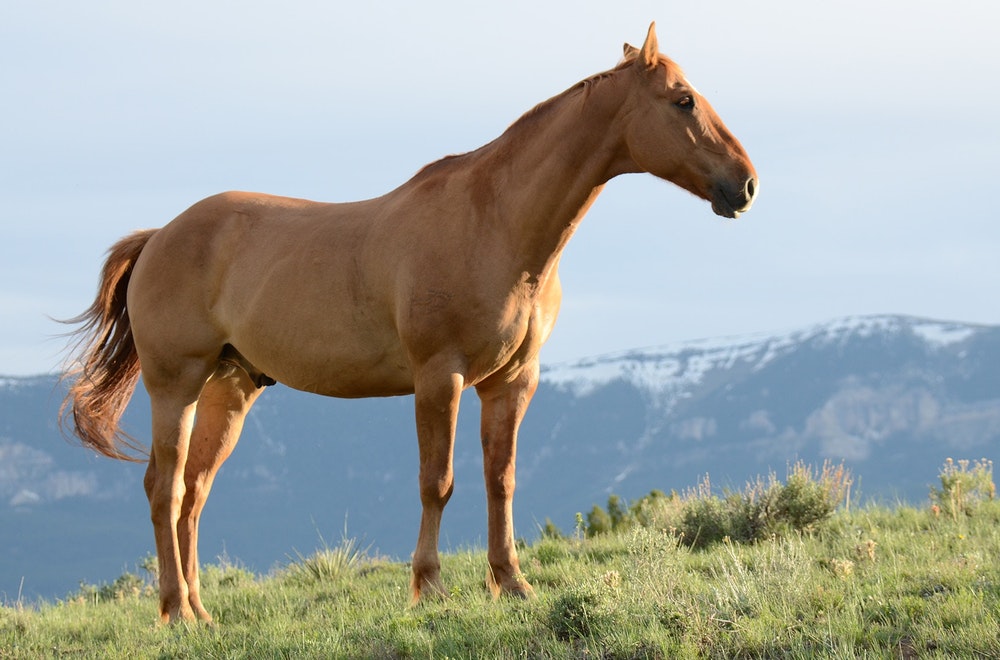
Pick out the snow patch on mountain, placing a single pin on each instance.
(943, 334)
(665, 369)
(675, 368)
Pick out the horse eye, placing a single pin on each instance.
(685, 103)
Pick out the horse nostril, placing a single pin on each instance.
(751, 189)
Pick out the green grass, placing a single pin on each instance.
(873, 582)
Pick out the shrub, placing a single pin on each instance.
(598, 522)
(808, 498)
(763, 509)
(550, 551)
(963, 487)
(227, 573)
(707, 520)
(551, 531)
(578, 614)
(653, 507)
(648, 511)
(125, 587)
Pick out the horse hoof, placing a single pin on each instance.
(427, 589)
(513, 587)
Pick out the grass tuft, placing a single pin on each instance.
(328, 564)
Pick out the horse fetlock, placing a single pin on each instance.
(424, 586)
(508, 582)
(178, 613)
(199, 610)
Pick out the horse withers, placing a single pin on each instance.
(449, 281)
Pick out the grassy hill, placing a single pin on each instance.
(870, 582)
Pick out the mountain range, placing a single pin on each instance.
(890, 396)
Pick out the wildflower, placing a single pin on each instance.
(612, 579)
(842, 568)
(866, 551)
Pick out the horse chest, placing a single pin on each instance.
(487, 331)
(507, 342)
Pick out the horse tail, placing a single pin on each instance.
(105, 364)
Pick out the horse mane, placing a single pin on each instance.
(585, 87)
(526, 120)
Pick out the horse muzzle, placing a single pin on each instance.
(732, 201)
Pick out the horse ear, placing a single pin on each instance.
(631, 52)
(651, 48)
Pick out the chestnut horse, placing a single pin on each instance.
(449, 281)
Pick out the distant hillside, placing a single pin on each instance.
(891, 396)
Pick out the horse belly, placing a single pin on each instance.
(349, 378)
(329, 363)
(305, 308)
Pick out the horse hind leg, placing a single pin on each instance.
(222, 409)
(173, 402)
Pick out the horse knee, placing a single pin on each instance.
(437, 491)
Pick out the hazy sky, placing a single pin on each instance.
(873, 125)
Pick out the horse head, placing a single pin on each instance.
(674, 133)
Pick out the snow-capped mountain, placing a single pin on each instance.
(891, 396)
(679, 367)
(880, 392)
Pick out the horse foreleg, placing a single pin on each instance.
(436, 400)
(503, 407)
(164, 483)
(222, 408)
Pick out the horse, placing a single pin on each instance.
(450, 281)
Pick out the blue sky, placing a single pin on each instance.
(872, 125)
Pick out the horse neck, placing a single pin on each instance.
(547, 169)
